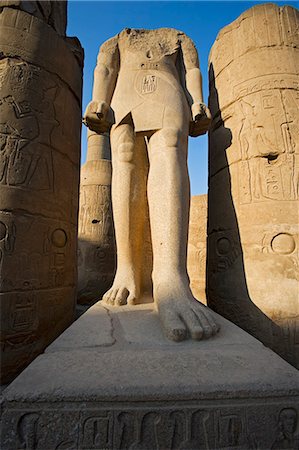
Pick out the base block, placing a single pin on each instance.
(112, 381)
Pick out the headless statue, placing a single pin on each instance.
(148, 90)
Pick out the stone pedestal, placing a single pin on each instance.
(40, 117)
(97, 259)
(196, 253)
(253, 176)
(112, 381)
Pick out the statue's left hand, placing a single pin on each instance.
(201, 119)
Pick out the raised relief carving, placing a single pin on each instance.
(67, 445)
(55, 249)
(287, 437)
(283, 243)
(38, 181)
(281, 240)
(225, 249)
(265, 83)
(7, 244)
(232, 433)
(225, 427)
(24, 312)
(200, 431)
(124, 430)
(147, 432)
(59, 238)
(268, 169)
(27, 431)
(177, 423)
(97, 432)
(23, 162)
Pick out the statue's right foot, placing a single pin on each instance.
(123, 291)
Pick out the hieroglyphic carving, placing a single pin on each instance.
(232, 431)
(254, 172)
(147, 432)
(221, 426)
(52, 13)
(24, 312)
(200, 430)
(125, 424)
(149, 84)
(97, 432)
(265, 82)
(286, 430)
(224, 250)
(269, 169)
(26, 129)
(96, 218)
(39, 172)
(27, 431)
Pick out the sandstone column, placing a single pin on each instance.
(196, 260)
(96, 260)
(40, 115)
(253, 176)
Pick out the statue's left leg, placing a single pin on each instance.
(181, 314)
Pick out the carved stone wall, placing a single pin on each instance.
(53, 12)
(96, 259)
(40, 115)
(196, 261)
(253, 176)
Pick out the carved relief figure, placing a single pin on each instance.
(24, 163)
(148, 87)
(287, 424)
(268, 168)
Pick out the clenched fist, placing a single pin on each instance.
(98, 117)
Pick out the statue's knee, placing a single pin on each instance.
(171, 137)
(125, 152)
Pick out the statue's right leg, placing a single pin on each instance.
(129, 178)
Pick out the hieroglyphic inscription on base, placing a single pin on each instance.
(220, 427)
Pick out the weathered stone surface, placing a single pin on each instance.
(253, 176)
(196, 252)
(148, 91)
(53, 12)
(97, 258)
(40, 110)
(123, 385)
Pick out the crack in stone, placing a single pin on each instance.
(112, 327)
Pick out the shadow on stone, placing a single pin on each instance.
(227, 290)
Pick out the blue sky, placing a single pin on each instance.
(93, 22)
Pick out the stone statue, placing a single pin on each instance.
(148, 90)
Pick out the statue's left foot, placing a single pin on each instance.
(183, 316)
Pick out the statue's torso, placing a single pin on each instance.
(148, 84)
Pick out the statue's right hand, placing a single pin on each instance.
(98, 117)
